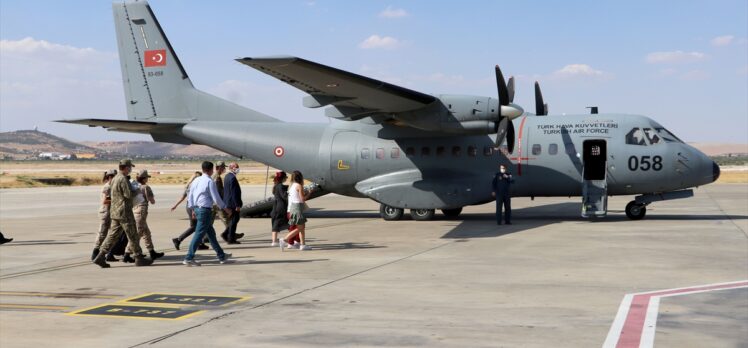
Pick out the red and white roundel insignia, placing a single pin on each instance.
(279, 151)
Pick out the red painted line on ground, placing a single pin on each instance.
(634, 325)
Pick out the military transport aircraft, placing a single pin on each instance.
(403, 148)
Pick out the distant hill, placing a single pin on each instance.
(30, 143)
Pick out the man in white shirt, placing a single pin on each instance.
(203, 195)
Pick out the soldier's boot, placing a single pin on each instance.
(128, 258)
(94, 253)
(110, 257)
(141, 260)
(100, 260)
(155, 255)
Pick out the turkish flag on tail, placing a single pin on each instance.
(155, 58)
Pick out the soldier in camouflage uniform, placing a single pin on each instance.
(120, 211)
(105, 220)
(143, 197)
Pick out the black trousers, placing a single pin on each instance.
(503, 200)
(230, 231)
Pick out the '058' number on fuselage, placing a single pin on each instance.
(645, 163)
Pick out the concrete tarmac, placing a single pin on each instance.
(552, 279)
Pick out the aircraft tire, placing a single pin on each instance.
(452, 213)
(390, 213)
(422, 214)
(636, 211)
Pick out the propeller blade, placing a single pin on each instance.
(501, 131)
(540, 107)
(501, 84)
(510, 88)
(510, 138)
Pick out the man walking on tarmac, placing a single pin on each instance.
(123, 219)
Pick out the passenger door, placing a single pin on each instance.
(594, 175)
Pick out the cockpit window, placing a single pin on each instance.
(652, 136)
(667, 136)
(635, 137)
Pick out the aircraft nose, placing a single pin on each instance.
(715, 171)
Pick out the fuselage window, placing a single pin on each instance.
(441, 151)
(380, 153)
(552, 149)
(456, 150)
(651, 136)
(365, 153)
(410, 152)
(635, 137)
(536, 149)
(472, 151)
(425, 151)
(488, 151)
(395, 153)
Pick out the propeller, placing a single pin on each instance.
(505, 127)
(541, 109)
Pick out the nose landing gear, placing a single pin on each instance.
(636, 211)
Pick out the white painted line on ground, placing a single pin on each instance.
(636, 321)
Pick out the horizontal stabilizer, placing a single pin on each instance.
(131, 126)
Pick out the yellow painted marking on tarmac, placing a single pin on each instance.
(131, 300)
(53, 294)
(81, 312)
(25, 306)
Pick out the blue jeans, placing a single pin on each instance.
(204, 226)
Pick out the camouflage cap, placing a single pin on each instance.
(220, 164)
(126, 162)
(143, 174)
(111, 172)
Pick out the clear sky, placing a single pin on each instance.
(683, 63)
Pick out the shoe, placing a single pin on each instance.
(155, 255)
(273, 244)
(282, 243)
(295, 245)
(225, 259)
(6, 240)
(94, 253)
(99, 260)
(191, 263)
(235, 242)
(238, 236)
(176, 242)
(141, 260)
(202, 247)
(508, 223)
(111, 258)
(305, 247)
(128, 258)
(225, 236)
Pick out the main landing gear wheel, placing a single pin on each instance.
(636, 211)
(422, 214)
(452, 213)
(390, 213)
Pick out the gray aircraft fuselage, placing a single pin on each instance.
(467, 162)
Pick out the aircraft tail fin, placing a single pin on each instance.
(157, 87)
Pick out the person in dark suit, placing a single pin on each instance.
(232, 195)
(501, 182)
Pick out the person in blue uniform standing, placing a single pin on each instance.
(501, 183)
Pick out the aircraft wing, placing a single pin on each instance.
(354, 96)
(168, 132)
(124, 125)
